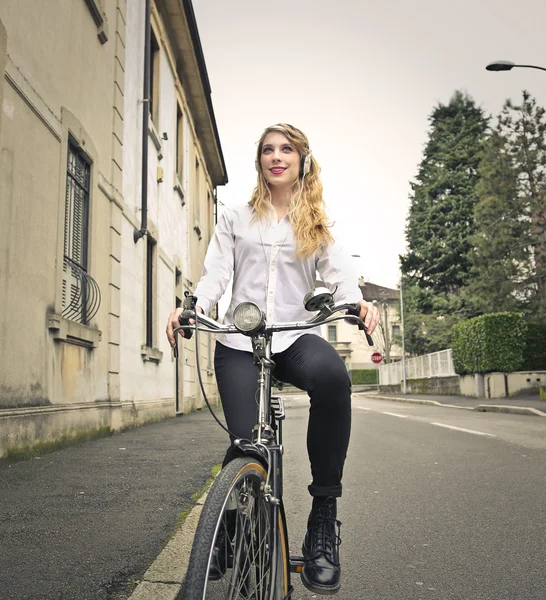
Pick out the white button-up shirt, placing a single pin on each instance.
(261, 256)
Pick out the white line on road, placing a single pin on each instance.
(363, 408)
(465, 430)
(395, 415)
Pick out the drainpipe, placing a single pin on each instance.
(145, 116)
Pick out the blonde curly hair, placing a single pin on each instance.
(308, 214)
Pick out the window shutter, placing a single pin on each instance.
(74, 283)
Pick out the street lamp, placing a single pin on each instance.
(404, 381)
(506, 65)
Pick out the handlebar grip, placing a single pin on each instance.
(189, 305)
(355, 311)
(185, 321)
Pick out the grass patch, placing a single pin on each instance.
(195, 497)
(70, 438)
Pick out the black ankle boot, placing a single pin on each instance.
(321, 573)
(222, 553)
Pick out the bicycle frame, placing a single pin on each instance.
(266, 445)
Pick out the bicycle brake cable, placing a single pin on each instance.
(202, 386)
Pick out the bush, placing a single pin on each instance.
(492, 342)
(535, 346)
(364, 376)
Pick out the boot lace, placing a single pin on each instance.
(325, 536)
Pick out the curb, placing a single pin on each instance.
(518, 410)
(163, 580)
(416, 401)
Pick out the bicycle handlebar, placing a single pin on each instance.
(212, 326)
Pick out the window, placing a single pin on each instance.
(197, 190)
(208, 215)
(150, 288)
(178, 287)
(154, 78)
(96, 8)
(332, 333)
(395, 330)
(179, 143)
(197, 199)
(78, 289)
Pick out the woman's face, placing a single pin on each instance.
(280, 160)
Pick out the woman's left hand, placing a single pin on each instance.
(369, 313)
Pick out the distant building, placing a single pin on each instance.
(351, 343)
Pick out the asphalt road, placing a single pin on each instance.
(85, 523)
(438, 503)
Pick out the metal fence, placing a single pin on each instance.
(437, 364)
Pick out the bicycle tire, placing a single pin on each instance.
(248, 575)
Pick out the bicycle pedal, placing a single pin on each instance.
(277, 405)
(296, 563)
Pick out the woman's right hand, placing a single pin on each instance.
(174, 322)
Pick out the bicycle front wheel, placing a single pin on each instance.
(232, 554)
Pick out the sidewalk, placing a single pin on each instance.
(524, 404)
(85, 523)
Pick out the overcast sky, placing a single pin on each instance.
(360, 78)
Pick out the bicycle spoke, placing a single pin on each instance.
(240, 560)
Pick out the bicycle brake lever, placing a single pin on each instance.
(355, 311)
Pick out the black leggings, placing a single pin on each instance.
(310, 364)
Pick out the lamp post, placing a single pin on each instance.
(506, 65)
(404, 382)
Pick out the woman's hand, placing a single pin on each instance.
(174, 322)
(369, 313)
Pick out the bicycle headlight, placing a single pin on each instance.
(248, 318)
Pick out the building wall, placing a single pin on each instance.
(3, 44)
(173, 204)
(76, 72)
(59, 81)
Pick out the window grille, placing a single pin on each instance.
(332, 333)
(80, 292)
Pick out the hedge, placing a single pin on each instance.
(535, 346)
(492, 342)
(364, 376)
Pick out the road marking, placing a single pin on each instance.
(395, 415)
(363, 408)
(463, 429)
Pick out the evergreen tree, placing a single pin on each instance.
(500, 256)
(524, 126)
(441, 221)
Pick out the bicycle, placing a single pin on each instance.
(240, 550)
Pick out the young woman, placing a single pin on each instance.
(273, 247)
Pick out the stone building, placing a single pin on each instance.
(90, 266)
